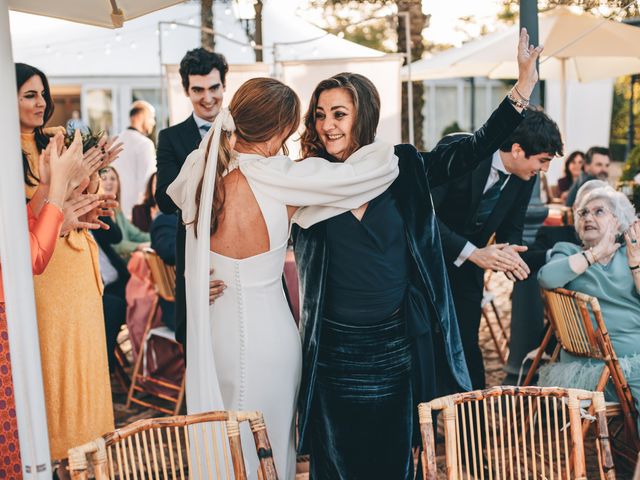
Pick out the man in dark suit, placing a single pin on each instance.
(163, 234)
(203, 78)
(596, 167)
(491, 199)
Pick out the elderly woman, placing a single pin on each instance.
(608, 268)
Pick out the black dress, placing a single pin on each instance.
(363, 397)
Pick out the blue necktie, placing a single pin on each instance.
(490, 198)
(204, 129)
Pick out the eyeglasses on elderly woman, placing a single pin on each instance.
(597, 212)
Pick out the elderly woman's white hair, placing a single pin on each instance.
(618, 204)
(586, 188)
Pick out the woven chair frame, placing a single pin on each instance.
(163, 278)
(163, 448)
(514, 433)
(571, 318)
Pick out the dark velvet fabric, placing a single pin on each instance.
(368, 263)
(412, 191)
(363, 402)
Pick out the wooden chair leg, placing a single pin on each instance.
(536, 361)
(141, 352)
(494, 336)
(176, 410)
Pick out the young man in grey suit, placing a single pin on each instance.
(203, 79)
(493, 198)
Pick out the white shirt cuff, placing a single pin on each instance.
(466, 252)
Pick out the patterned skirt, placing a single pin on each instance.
(10, 466)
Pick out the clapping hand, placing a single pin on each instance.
(99, 157)
(520, 270)
(607, 245)
(75, 210)
(632, 240)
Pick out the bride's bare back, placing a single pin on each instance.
(242, 231)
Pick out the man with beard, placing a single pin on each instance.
(203, 79)
(596, 167)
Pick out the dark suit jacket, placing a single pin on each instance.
(582, 179)
(164, 229)
(174, 145)
(105, 239)
(456, 205)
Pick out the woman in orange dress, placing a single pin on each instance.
(68, 300)
(46, 221)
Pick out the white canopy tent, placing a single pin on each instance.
(14, 241)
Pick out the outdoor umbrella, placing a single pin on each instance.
(577, 46)
(14, 241)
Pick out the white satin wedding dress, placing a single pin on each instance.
(244, 351)
(256, 343)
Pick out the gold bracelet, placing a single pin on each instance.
(55, 204)
(515, 87)
(516, 102)
(593, 255)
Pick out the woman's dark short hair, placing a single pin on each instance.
(201, 61)
(23, 73)
(366, 100)
(536, 134)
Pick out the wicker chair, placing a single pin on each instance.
(163, 277)
(514, 432)
(572, 316)
(167, 448)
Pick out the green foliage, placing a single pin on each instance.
(632, 165)
(608, 9)
(352, 21)
(451, 128)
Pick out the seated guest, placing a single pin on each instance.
(596, 167)
(573, 167)
(114, 275)
(607, 270)
(547, 236)
(132, 238)
(164, 229)
(143, 213)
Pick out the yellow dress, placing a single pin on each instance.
(72, 337)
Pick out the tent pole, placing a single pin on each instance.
(563, 97)
(17, 277)
(407, 39)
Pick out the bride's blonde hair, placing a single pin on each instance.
(262, 108)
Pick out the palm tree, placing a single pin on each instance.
(207, 40)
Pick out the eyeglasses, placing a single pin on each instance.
(597, 212)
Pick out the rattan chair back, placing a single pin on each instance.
(514, 433)
(163, 276)
(579, 326)
(571, 314)
(202, 446)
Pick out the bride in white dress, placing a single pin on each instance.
(244, 350)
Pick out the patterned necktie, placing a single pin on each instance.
(490, 198)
